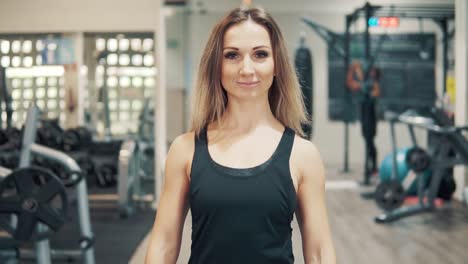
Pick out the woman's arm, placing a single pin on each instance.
(376, 89)
(166, 236)
(354, 70)
(311, 212)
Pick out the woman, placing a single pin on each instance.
(242, 170)
(369, 92)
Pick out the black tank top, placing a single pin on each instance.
(242, 216)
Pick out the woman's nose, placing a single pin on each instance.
(247, 66)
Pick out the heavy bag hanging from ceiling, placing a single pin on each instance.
(303, 65)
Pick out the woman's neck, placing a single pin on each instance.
(247, 116)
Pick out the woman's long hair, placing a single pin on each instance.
(209, 100)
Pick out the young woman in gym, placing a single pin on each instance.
(243, 170)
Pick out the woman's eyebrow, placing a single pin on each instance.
(255, 48)
(259, 47)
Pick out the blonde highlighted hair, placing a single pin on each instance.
(209, 99)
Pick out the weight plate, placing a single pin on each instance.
(32, 195)
(389, 195)
(418, 159)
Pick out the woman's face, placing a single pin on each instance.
(247, 64)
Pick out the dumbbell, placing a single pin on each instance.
(50, 134)
(3, 137)
(13, 134)
(10, 159)
(106, 175)
(76, 138)
(86, 165)
(68, 178)
(10, 139)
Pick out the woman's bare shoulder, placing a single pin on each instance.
(305, 156)
(183, 144)
(182, 150)
(304, 147)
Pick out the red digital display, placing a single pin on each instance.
(384, 22)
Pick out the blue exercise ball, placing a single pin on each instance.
(386, 167)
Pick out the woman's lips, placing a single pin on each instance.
(248, 84)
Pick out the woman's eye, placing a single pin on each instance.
(261, 54)
(231, 55)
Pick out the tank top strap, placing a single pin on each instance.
(286, 144)
(201, 140)
(200, 156)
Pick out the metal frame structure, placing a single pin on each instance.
(439, 13)
(450, 139)
(43, 252)
(132, 168)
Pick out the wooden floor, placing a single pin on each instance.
(441, 237)
(430, 239)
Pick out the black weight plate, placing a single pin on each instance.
(389, 195)
(418, 159)
(34, 195)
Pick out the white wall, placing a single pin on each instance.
(461, 72)
(176, 28)
(79, 15)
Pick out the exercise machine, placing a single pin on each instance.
(31, 215)
(448, 148)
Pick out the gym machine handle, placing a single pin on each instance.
(72, 178)
(411, 118)
(86, 242)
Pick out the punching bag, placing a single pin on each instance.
(303, 65)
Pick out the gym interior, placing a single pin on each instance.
(93, 93)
